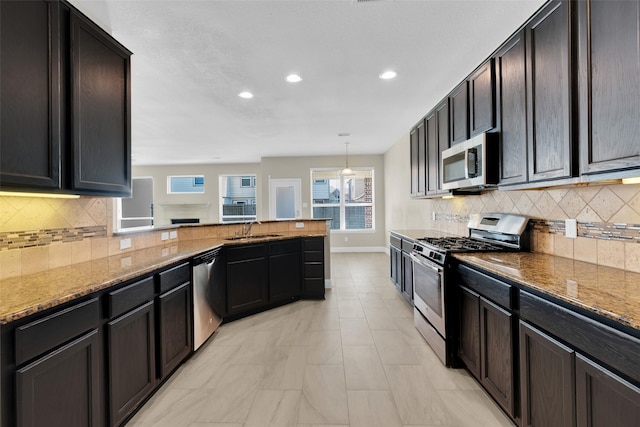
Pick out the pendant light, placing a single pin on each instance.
(347, 171)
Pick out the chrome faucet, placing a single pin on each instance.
(247, 226)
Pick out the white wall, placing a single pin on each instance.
(204, 206)
(300, 167)
(402, 212)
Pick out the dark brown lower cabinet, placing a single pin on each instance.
(396, 267)
(546, 380)
(496, 354)
(313, 269)
(469, 340)
(407, 276)
(247, 278)
(285, 277)
(131, 359)
(603, 399)
(174, 328)
(62, 388)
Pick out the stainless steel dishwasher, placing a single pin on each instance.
(207, 281)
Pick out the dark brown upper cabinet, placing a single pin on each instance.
(511, 96)
(418, 160)
(609, 85)
(30, 107)
(442, 131)
(101, 99)
(459, 114)
(413, 142)
(552, 151)
(433, 167)
(482, 105)
(64, 102)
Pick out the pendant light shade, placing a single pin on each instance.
(347, 171)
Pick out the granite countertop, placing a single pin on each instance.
(606, 291)
(25, 295)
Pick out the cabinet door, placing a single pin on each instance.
(175, 328)
(510, 64)
(604, 399)
(396, 267)
(247, 284)
(30, 99)
(469, 341)
(422, 160)
(609, 85)
(413, 141)
(62, 388)
(442, 119)
(407, 276)
(132, 367)
(459, 114)
(496, 354)
(551, 148)
(482, 99)
(433, 154)
(546, 380)
(285, 276)
(101, 111)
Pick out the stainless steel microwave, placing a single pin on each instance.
(473, 163)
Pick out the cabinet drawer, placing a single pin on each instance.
(314, 256)
(610, 346)
(313, 270)
(314, 244)
(407, 245)
(490, 288)
(130, 297)
(395, 242)
(49, 332)
(173, 277)
(246, 252)
(284, 247)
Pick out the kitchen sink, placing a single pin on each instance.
(253, 236)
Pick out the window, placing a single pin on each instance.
(136, 211)
(346, 200)
(248, 181)
(185, 184)
(238, 198)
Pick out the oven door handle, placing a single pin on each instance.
(427, 264)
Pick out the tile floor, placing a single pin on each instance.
(354, 359)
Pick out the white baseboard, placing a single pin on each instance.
(359, 249)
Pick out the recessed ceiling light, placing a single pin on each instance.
(387, 75)
(245, 95)
(294, 78)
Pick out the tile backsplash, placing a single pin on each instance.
(608, 220)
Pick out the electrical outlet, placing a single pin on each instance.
(571, 228)
(299, 224)
(164, 236)
(125, 262)
(346, 239)
(173, 235)
(125, 243)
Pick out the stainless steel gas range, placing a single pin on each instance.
(435, 302)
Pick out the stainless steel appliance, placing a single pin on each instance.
(434, 298)
(471, 164)
(206, 284)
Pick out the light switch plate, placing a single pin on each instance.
(173, 235)
(125, 243)
(299, 224)
(571, 228)
(164, 236)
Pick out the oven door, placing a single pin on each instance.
(428, 291)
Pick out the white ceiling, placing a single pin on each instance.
(192, 58)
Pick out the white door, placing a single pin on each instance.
(285, 201)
